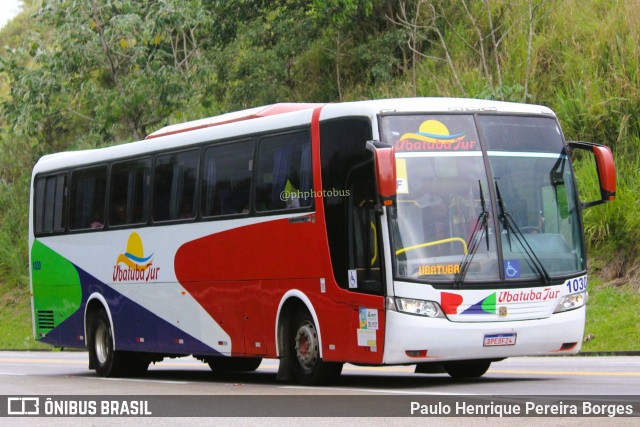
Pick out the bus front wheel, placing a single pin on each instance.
(467, 368)
(304, 348)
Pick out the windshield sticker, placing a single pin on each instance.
(433, 135)
(402, 179)
(512, 269)
(138, 268)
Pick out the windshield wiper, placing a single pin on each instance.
(510, 225)
(474, 241)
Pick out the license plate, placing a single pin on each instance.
(499, 339)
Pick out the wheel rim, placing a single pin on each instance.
(307, 346)
(102, 344)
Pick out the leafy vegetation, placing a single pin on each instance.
(101, 72)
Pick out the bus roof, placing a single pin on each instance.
(432, 105)
(399, 105)
(276, 116)
(252, 113)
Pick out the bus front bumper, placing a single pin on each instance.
(416, 339)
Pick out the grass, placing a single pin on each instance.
(15, 321)
(612, 319)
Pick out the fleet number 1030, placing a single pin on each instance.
(578, 284)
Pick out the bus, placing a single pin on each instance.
(435, 232)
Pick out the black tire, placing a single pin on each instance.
(105, 360)
(137, 364)
(227, 365)
(304, 351)
(467, 368)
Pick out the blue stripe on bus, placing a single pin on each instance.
(131, 321)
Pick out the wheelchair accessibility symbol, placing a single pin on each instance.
(512, 269)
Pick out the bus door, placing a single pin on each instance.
(364, 226)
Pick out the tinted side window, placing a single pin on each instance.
(88, 187)
(38, 205)
(226, 180)
(49, 209)
(284, 172)
(129, 192)
(174, 191)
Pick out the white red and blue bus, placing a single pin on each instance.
(445, 233)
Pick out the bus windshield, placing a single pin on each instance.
(482, 198)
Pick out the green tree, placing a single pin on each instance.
(256, 46)
(112, 68)
(85, 74)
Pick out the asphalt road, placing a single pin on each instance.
(67, 373)
(558, 378)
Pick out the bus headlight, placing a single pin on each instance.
(418, 307)
(571, 302)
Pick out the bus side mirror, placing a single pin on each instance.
(605, 167)
(385, 164)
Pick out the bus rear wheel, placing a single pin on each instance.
(467, 368)
(106, 361)
(137, 364)
(304, 348)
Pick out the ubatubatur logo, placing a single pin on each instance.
(485, 306)
(451, 302)
(133, 266)
(434, 131)
(433, 135)
(489, 305)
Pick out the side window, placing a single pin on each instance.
(226, 179)
(129, 192)
(174, 189)
(38, 205)
(88, 187)
(49, 202)
(284, 172)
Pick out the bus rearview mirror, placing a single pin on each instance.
(605, 167)
(385, 164)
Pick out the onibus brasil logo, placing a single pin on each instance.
(133, 265)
